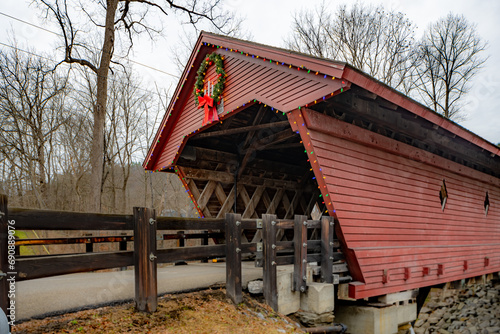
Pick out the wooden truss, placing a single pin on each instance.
(213, 194)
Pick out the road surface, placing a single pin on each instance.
(45, 296)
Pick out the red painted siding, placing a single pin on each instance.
(390, 213)
(249, 78)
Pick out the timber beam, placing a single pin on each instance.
(240, 130)
(386, 115)
(228, 178)
(209, 155)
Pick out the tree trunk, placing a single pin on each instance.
(97, 150)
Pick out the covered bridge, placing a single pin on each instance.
(416, 196)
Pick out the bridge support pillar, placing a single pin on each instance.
(375, 320)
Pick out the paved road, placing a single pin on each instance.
(35, 298)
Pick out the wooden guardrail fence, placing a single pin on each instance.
(270, 252)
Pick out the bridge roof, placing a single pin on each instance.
(283, 80)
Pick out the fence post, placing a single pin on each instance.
(4, 284)
(180, 240)
(204, 242)
(145, 271)
(122, 246)
(269, 229)
(300, 254)
(327, 249)
(233, 257)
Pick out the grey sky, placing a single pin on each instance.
(269, 21)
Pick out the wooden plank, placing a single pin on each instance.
(340, 268)
(233, 257)
(228, 204)
(333, 127)
(47, 266)
(290, 224)
(266, 199)
(4, 256)
(197, 196)
(220, 194)
(290, 259)
(244, 196)
(293, 205)
(218, 156)
(228, 178)
(241, 129)
(67, 241)
(254, 201)
(31, 219)
(300, 253)
(206, 194)
(275, 202)
(327, 228)
(169, 255)
(145, 268)
(269, 230)
(176, 223)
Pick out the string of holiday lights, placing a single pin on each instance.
(223, 115)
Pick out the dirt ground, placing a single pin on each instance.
(206, 311)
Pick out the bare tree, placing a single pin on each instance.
(370, 38)
(447, 57)
(31, 111)
(126, 123)
(312, 33)
(189, 35)
(111, 16)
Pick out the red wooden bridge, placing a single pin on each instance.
(416, 196)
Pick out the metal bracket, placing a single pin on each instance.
(2, 274)
(152, 257)
(336, 279)
(259, 223)
(259, 247)
(152, 221)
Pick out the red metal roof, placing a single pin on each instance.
(279, 78)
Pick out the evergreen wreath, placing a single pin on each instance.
(218, 88)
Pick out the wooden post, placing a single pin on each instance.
(300, 255)
(327, 228)
(123, 247)
(180, 240)
(233, 257)
(145, 270)
(269, 229)
(123, 244)
(204, 242)
(89, 247)
(4, 284)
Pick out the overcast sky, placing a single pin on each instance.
(269, 21)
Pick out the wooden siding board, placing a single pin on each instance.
(320, 123)
(405, 213)
(397, 168)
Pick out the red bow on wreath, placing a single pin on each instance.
(210, 110)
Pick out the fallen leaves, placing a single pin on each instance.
(198, 312)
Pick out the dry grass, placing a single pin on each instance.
(198, 312)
